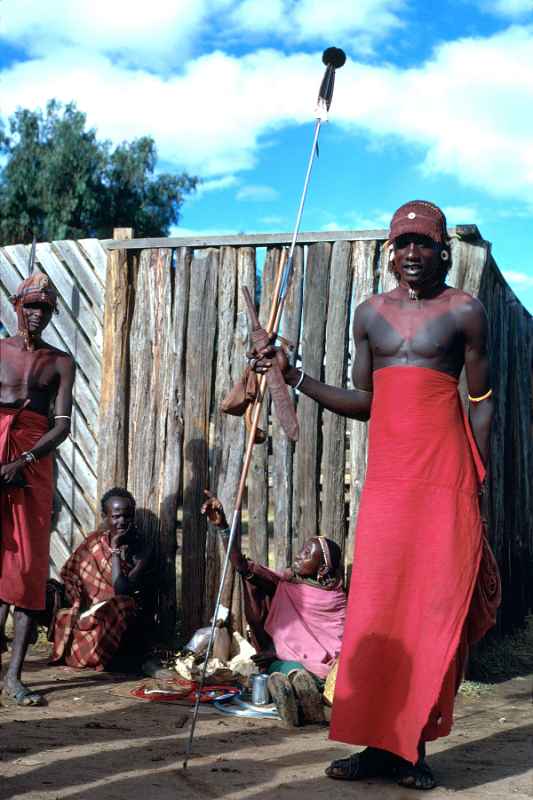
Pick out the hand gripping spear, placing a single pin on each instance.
(333, 58)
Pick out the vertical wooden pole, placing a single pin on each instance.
(114, 397)
(282, 447)
(306, 496)
(258, 476)
(201, 337)
(333, 506)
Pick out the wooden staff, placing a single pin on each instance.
(333, 58)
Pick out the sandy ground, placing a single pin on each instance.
(89, 742)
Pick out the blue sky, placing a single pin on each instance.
(435, 102)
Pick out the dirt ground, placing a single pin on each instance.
(91, 743)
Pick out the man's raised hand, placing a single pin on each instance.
(214, 510)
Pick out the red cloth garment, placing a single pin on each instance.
(91, 639)
(419, 543)
(306, 624)
(25, 513)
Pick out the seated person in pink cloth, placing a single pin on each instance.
(296, 619)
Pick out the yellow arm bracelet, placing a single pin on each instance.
(479, 399)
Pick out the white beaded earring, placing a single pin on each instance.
(444, 255)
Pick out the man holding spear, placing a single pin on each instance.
(425, 584)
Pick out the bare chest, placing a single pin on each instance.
(26, 371)
(414, 331)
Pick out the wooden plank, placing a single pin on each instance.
(82, 271)
(365, 261)
(97, 255)
(171, 436)
(237, 269)
(89, 318)
(8, 317)
(258, 494)
(84, 438)
(333, 512)
(150, 336)
(387, 278)
(308, 449)
(82, 507)
(76, 464)
(268, 239)
(282, 447)
(114, 393)
(201, 332)
(225, 428)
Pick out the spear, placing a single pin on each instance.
(31, 261)
(333, 58)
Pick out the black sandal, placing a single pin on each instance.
(416, 776)
(369, 763)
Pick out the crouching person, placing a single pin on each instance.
(296, 620)
(105, 582)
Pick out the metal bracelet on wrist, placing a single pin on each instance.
(28, 457)
(300, 380)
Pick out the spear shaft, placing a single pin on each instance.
(333, 58)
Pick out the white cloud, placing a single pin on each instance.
(459, 215)
(152, 34)
(508, 8)
(376, 220)
(257, 193)
(274, 221)
(161, 34)
(468, 109)
(207, 120)
(215, 185)
(520, 279)
(178, 232)
(360, 23)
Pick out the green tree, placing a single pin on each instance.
(58, 181)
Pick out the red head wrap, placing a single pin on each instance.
(419, 216)
(35, 289)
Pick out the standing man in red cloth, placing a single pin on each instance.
(35, 378)
(425, 584)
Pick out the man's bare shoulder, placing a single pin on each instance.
(464, 303)
(55, 351)
(469, 312)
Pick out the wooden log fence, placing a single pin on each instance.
(159, 331)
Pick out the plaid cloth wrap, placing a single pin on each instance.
(93, 640)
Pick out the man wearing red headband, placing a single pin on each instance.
(34, 378)
(425, 584)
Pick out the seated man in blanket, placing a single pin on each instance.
(296, 619)
(105, 582)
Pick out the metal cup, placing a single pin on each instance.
(260, 693)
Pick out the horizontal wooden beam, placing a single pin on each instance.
(470, 232)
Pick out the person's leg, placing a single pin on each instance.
(416, 776)
(4, 611)
(308, 695)
(13, 686)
